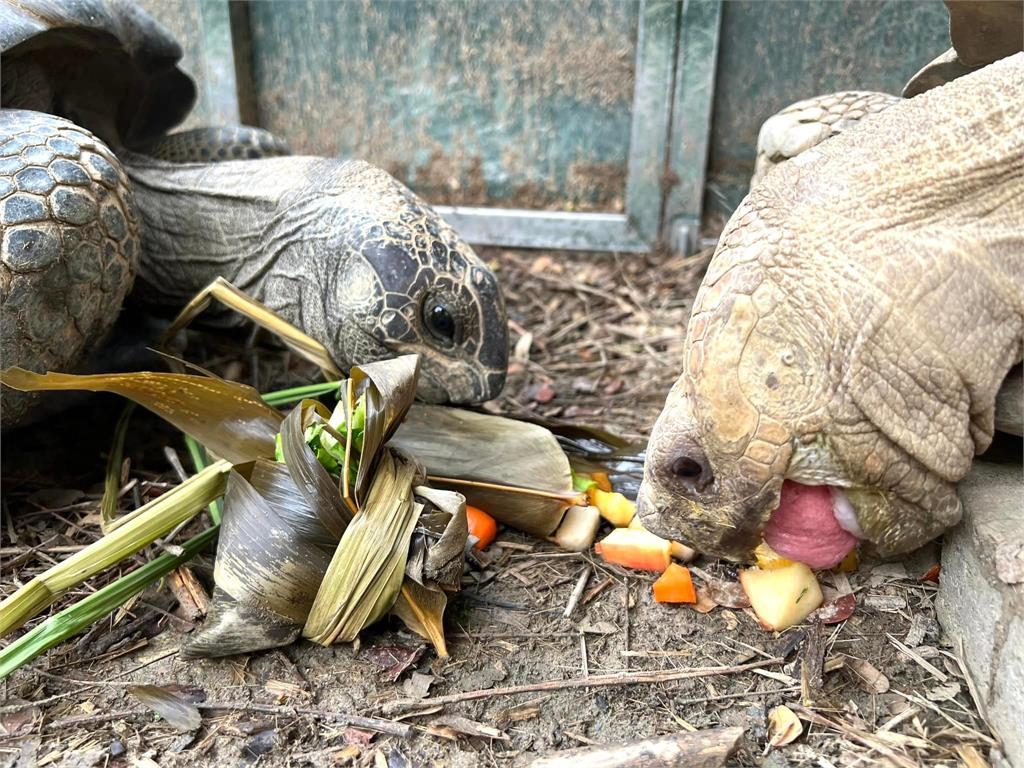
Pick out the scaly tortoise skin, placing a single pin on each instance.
(339, 248)
(865, 302)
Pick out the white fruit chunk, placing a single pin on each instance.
(782, 597)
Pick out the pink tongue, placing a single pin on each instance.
(804, 527)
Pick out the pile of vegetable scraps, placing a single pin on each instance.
(781, 592)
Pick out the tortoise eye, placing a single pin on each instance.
(439, 321)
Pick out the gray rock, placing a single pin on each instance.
(981, 600)
(1010, 403)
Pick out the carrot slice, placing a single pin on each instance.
(636, 549)
(482, 526)
(675, 586)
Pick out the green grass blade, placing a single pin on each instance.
(295, 394)
(112, 482)
(201, 460)
(74, 619)
(137, 530)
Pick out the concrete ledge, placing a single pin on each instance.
(981, 597)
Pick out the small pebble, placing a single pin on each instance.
(116, 748)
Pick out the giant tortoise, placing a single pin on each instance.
(863, 306)
(97, 202)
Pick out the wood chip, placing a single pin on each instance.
(870, 679)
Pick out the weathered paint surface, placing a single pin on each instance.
(774, 53)
(522, 104)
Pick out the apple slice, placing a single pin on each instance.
(615, 508)
(636, 549)
(783, 596)
(679, 551)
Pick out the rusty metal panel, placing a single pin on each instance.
(775, 53)
(517, 104)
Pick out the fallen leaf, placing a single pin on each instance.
(395, 659)
(260, 744)
(728, 594)
(834, 611)
(784, 727)
(870, 679)
(704, 602)
(884, 573)
(358, 736)
(932, 574)
(943, 692)
(418, 685)
(11, 723)
(541, 393)
(179, 713)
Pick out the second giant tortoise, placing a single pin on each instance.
(865, 302)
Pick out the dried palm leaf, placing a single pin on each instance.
(271, 556)
(228, 418)
(514, 470)
(366, 572)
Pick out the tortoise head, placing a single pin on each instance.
(778, 428)
(407, 283)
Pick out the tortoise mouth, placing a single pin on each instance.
(813, 524)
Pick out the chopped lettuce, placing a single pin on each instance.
(329, 450)
(582, 483)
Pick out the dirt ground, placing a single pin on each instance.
(596, 340)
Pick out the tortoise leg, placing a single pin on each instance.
(806, 124)
(239, 301)
(70, 243)
(217, 143)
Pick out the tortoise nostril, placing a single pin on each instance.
(686, 467)
(692, 469)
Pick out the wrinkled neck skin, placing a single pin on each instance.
(864, 305)
(339, 249)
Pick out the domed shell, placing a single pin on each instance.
(106, 65)
(69, 245)
(982, 32)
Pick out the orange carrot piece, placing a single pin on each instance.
(482, 526)
(601, 478)
(675, 586)
(636, 549)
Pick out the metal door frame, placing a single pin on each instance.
(677, 53)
